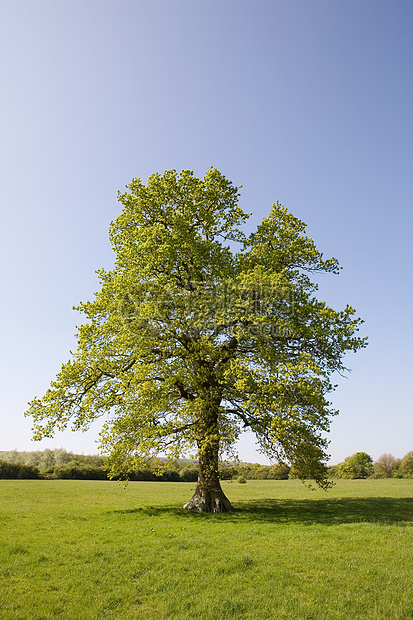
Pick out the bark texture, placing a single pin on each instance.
(208, 496)
(209, 500)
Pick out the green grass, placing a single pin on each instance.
(84, 549)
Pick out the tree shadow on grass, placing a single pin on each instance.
(383, 510)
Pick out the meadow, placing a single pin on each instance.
(93, 549)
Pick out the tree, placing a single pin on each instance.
(200, 332)
(406, 465)
(280, 471)
(386, 466)
(359, 465)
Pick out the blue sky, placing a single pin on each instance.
(308, 103)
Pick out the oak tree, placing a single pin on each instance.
(201, 331)
(359, 465)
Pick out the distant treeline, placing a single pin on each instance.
(49, 464)
(360, 465)
(60, 464)
(54, 464)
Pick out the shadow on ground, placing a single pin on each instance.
(326, 511)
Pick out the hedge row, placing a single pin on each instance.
(176, 472)
(18, 471)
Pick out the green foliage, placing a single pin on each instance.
(75, 471)
(359, 465)
(279, 471)
(49, 459)
(406, 465)
(189, 473)
(62, 464)
(241, 480)
(333, 471)
(200, 332)
(17, 470)
(57, 464)
(66, 465)
(387, 466)
(227, 471)
(255, 471)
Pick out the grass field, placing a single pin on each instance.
(85, 549)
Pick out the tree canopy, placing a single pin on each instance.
(359, 465)
(201, 331)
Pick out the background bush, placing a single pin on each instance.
(76, 471)
(18, 471)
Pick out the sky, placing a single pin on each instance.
(307, 103)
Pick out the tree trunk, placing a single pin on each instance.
(208, 496)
